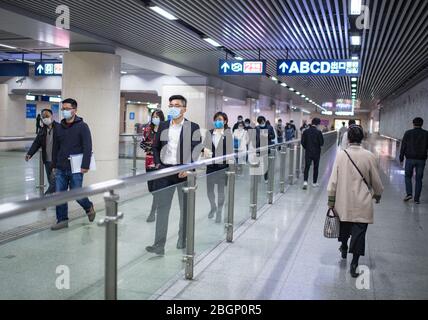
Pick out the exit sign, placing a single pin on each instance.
(242, 67)
(44, 69)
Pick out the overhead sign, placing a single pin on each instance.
(242, 67)
(48, 69)
(344, 107)
(31, 112)
(14, 70)
(318, 67)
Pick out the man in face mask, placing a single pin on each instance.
(73, 137)
(45, 140)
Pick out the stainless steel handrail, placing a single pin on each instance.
(11, 209)
(16, 139)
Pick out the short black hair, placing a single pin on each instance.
(179, 97)
(224, 116)
(351, 122)
(344, 124)
(291, 121)
(261, 119)
(47, 110)
(71, 101)
(240, 117)
(247, 120)
(316, 121)
(279, 120)
(355, 134)
(418, 122)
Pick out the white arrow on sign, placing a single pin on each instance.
(225, 67)
(284, 66)
(40, 68)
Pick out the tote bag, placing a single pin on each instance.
(332, 225)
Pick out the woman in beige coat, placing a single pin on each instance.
(353, 185)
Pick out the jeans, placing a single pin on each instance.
(308, 161)
(51, 178)
(411, 165)
(64, 180)
(218, 178)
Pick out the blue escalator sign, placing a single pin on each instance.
(48, 69)
(242, 67)
(318, 68)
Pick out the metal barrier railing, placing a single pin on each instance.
(289, 154)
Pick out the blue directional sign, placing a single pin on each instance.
(48, 69)
(318, 67)
(31, 112)
(132, 116)
(242, 67)
(14, 70)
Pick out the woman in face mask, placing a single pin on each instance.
(218, 142)
(149, 133)
(240, 141)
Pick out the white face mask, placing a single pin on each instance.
(47, 121)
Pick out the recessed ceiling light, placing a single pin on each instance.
(212, 42)
(163, 13)
(239, 58)
(354, 57)
(274, 78)
(354, 79)
(356, 7)
(291, 89)
(297, 92)
(124, 72)
(283, 84)
(354, 90)
(356, 40)
(354, 85)
(8, 47)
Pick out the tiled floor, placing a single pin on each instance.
(283, 255)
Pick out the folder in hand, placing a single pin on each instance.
(76, 163)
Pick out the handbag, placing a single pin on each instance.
(332, 225)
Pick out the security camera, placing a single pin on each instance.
(20, 81)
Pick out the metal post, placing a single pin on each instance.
(290, 157)
(190, 190)
(282, 159)
(271, 175)
(41, 185)
(231, 175)
(295, 154)
(298, 148)
(110, 222)
(302, 156)
(134, 160)
(253, 190)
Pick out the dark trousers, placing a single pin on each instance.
(51, 178)
(218, 178)
(64, 180)
(308, 162)
(419, 167)
(165, 193)
(152, 188)
(357, 232)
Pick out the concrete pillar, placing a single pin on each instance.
(93, 80)
(12, 117)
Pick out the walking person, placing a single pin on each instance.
(353, 185)
(264, 133)
(414, 148)
(312, 141)
(342, 131)
(217, 142)
(177, 142)
(45, 140)
(149, 133)
(73, 137)
(240, 119)
(279, 131)
(241, 140)
(344, 144)
(38, 123)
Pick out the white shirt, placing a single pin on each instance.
(174, 133)
(217, 135)
(345, 143)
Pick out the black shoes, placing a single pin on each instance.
(91, 214)
(156, 249)
(417, 202)
(354, 273)
(151, 217)
(344, 251)
(408, 197)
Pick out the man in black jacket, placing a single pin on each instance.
(177, 142)
(45, 140)
(73, 137)
(414, 148)
(312, 141)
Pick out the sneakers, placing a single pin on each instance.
(60, 225)
(91, 214)
(305, 185)
(407, 198)
(156, 249)
(315, 185)
(417, 202)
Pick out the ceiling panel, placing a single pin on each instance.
(394, 49)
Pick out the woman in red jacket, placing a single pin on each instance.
(149, 133)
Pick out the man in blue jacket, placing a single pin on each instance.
(73, 137)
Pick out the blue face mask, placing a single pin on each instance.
(67, 114)
(174, 113)
(156, 121)
(219, 124)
